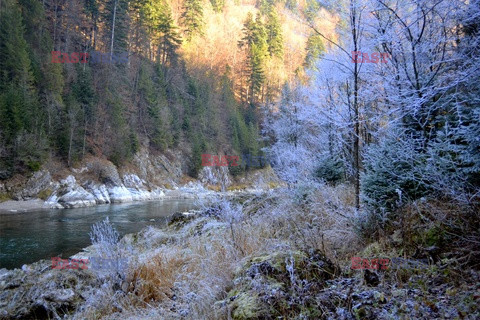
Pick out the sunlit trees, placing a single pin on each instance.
(254, 41)
(169, 37)
(217, 5)
(274, 35)
(162, 31)
(192, 18)
(112, 109)
(315, 48)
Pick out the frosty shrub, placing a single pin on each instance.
(394, 174)
(302, 192)
(400, 169)
(454, 156)
(330, 170)
(110, 263)
(226, 211)
(105, 237)
(471, 134)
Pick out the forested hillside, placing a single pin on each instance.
(196, 76)
(368, 110)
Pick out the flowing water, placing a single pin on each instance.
(29, 237)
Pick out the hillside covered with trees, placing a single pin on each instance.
(195, 79)
(369, 114)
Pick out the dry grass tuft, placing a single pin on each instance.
(154, 280)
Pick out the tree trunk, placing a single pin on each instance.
(356, 138)
(113, 29)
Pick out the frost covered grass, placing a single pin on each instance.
(188, 268)
(235, 257)
(271, 255)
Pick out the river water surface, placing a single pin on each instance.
(32, 236)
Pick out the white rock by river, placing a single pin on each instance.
(99, 181)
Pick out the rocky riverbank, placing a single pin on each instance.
(242, 259)
(98, 181)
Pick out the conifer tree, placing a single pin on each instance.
(117, 23)
(265, 6)
(192, 18)
(315, 48)
(18, 102)
(170, 39)
(15, 64)
(217, 5)
(255, 43)
(275, 36)
(161, 29)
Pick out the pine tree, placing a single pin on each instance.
(255, 43)
(275, 36)
(192, 18)
(150, 108)
(311, 10)
(19, 117)
(85, 95)
(291, 5)
(11, 104)
(314, 49)
(265, 6)
(117, 23)
(161, 29)
(15, 64)
(256, 70)
(217, 5)
(248, 32)
(170, 39)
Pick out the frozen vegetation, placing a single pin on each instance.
(280, 254)
(376, 161)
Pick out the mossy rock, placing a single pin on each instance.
(246, 306)
(237, 187)
(307, 266)
(280, 284)
(4, 197)
(168, 186)
(44, 194)
(179, 219)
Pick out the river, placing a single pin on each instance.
(32, 236)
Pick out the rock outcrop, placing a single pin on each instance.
(147, 177)
(99, 182)
(70, 194)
